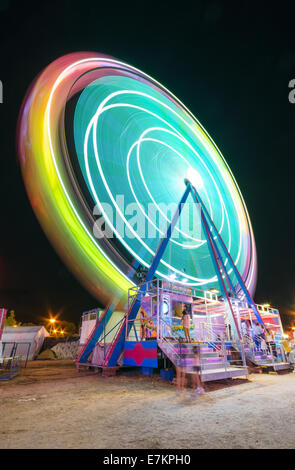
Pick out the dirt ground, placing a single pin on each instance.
(52, 406)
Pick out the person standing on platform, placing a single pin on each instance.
(291, 357)
(186, 325)
(273, 344)
(287, 348)
(268, 338)
(257, 336)
(244, 329)
(263, 345)
(143, 323)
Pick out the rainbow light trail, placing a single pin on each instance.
(131, 136)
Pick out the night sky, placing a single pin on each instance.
(230, 63)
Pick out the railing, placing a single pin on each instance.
(162, 285)
(14, 346)
(9, 367)
(249, 343)
(237, 348)
(107, 348)
(179, 352)
(102, 348)
(172, 352)
(274, 349)
(211, 337)
(150, 287)
(279, 351)
(208, 335)
(218, 346)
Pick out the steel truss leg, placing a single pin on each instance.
(118, 345)
(215, 258)
(230, 260)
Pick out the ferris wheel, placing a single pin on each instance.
(105, 151)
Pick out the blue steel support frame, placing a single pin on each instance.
(120, 338)
(216, 259)
(230, 260)
(218, 255)
(214, 256)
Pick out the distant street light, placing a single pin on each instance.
(51, 321)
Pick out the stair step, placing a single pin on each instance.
(217, 365)
(211, 364)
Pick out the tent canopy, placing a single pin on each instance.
(32, 335)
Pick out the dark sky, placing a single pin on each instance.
(229, 62)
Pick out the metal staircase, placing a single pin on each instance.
(215, 355)
(274, 358)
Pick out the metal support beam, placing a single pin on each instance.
(96, 334)
(214, 256)
(219, 265)
(231, 262)
(118, 343)
(163, 244)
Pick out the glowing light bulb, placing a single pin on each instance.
(194, 178)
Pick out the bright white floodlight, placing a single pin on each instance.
(194, 178)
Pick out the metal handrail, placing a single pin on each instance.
(217, 340)
(169, 286)
(164, 340)
(278, 348)
(104, 337)
(13, 350)
(219, 345)
(221, 349)
(11, 365)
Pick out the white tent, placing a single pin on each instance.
(33, 336)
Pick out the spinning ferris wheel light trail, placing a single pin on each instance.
(92, 127)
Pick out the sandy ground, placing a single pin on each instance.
(52, 406)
